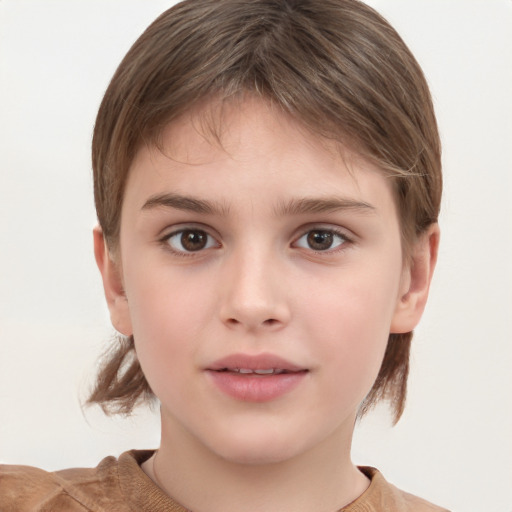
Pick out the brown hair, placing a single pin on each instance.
(336, 66)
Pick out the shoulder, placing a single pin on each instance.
(21, 487)
(25, 488)
(382, 495)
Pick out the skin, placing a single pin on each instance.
(259, 287)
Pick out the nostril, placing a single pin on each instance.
(269, 322)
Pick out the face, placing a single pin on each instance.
(260, 278)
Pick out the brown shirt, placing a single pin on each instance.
(120, 485)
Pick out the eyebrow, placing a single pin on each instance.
(322, 205)
(185, 203)
(293, 207)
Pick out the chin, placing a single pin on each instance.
(258, 449)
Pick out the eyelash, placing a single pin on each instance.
(335, 233)
(166, 240)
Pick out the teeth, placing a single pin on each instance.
(266, 371)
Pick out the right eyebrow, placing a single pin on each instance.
(185, 203)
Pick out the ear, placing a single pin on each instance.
(416, 280)
(112, 284)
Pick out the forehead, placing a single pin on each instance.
(232, 126)
(220, 149)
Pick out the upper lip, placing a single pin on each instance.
(254, 362)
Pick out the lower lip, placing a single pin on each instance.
(256, 388)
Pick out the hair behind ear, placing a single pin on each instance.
(391, 382)
(120, 385)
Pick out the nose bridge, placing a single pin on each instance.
(254, 296)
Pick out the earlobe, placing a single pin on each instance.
(416, 281)
(112, 285)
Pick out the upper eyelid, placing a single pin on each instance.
(169, 231)
(333, 231)
(338, 230)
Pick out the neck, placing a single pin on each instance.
(322, 479)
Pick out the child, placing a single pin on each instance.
(267, 182)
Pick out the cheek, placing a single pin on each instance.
(168, 313)
(351, 324)
(166, 299)
(357, 304)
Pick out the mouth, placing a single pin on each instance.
(261, 371)
(259, 378)
(261, 364)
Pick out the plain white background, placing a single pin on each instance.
(454, 443)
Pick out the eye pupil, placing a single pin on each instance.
(320, 240)
(194, 240)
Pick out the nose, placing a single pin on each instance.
(253, 296)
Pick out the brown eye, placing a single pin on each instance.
(190, 240)
(194, 240)
(321, 240)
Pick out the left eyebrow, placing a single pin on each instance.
(322, 205)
